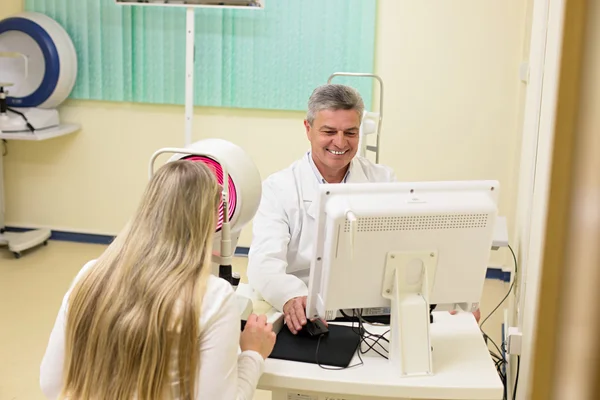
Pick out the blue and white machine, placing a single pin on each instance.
(38, 69)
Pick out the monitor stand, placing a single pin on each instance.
(407, 283)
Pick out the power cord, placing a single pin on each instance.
(500, 363)
(340, 368)
(517, 377)
(370, 336)
(509, 289)
(486, 337)
(500, 360)
(12, 110)
(375, 342)
(366, 335)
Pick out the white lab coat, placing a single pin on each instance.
(284, 227)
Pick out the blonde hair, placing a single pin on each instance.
(133, 317)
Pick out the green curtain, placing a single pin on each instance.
(268, 59)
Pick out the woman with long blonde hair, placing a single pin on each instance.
(146, 320)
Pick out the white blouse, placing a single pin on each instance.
(224, 372)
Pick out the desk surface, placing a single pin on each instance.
(463, 368)
(44, 134)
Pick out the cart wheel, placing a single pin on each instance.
(17, 254)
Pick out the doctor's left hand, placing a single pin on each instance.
(476, 314)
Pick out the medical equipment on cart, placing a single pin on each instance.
(371, 120)
(405, 246)
(38, 69)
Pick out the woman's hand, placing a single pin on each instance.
(258, 336)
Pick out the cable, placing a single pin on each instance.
(335, 368)
(509, 289)
(505, 392)
(371, 347)
(517, 377)
(31, 128)
(500, 360)
(340, 368)
(375, 342)
(364, 336)
(494, 343)
(362, 321)
(370, 336)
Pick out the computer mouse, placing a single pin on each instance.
(314, 328)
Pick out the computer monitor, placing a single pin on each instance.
(403, 246)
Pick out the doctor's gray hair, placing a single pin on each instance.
(334, 97)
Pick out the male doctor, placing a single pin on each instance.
(284, 226)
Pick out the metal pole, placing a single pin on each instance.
(189, 74)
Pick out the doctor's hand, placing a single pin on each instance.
(258, 336)
(294, 311)
(476, 314)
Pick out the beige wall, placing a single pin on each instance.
(452, 111)
(10, 7)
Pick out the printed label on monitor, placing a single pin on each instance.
(376, 311)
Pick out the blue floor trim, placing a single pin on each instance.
(92, 238)
(492, 273)
(71, 236)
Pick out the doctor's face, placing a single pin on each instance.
(334, 139)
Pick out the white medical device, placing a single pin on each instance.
(371, 120)
(405, 246)
(242, 189)
(38, 69)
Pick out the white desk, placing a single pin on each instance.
(45, 134)
(463, 370)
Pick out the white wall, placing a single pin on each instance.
(451, 112)
(453, 97)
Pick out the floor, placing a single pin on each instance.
(31, 289)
